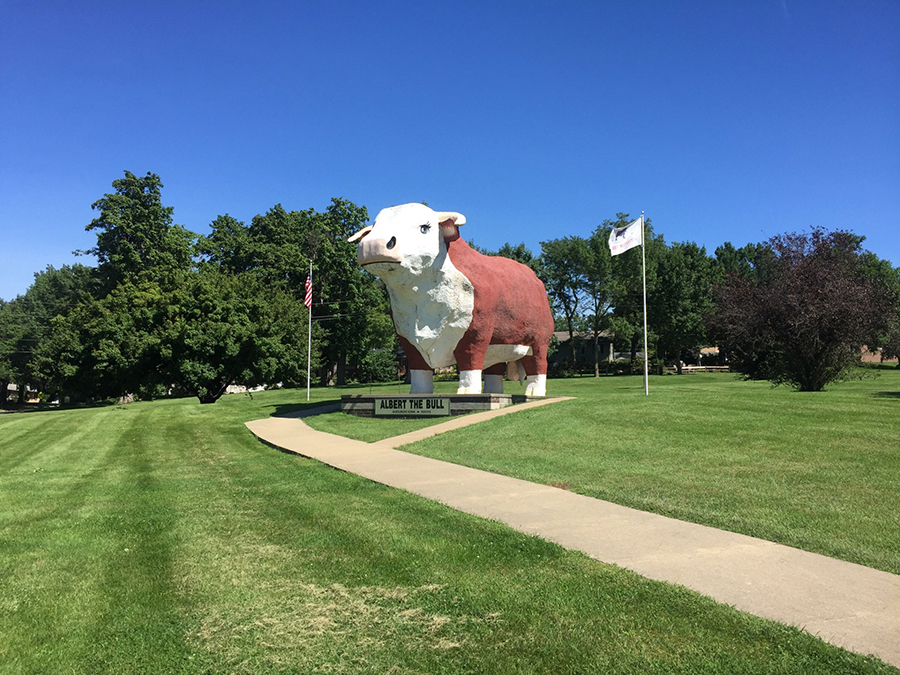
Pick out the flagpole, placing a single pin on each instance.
(309, 334)
(644, 270)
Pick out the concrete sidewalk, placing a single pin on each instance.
(849, 605)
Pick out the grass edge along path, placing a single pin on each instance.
(820, 472)
(163, 537)
(847, 604)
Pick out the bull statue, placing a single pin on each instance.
(451, 304)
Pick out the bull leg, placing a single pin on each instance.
(421, 381)
(536, 385)
(493, 379)
(535, 373)
(421, 376)
(469, 355)
(469, 382)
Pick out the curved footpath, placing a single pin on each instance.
(849, 605)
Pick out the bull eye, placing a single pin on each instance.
(424, 228)
(392, 242)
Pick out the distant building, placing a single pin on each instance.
(875, 356)
(583, 346)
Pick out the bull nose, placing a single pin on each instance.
(377, 250)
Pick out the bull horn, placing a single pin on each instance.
(359, 235)
(457, 218)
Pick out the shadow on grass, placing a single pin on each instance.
(889, 365)
(305, 409)
(51, 407)
(886, 394)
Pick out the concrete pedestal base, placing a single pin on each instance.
(425, 405)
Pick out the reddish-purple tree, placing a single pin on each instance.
(802, 320)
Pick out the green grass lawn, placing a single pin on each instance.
(162, 537)
(819, 471)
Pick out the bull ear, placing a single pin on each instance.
(455, 218)
(450, 222)
(359, 235)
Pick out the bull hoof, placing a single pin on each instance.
(537, 385)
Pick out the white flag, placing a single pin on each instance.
(623, 238)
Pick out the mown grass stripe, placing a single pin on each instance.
(257, 561)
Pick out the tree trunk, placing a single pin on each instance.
(572, 342)
(328, 373)
(212, 393)
(4, 392)
(341, 376)
(596, 353)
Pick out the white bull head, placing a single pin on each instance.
(408, 238)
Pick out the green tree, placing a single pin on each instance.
(197, 336)
(752, 261)
(25, 323)
(223, 329)
(135, 233)
(350, 305)
(110, 347)
(10, 336)
(229, 246)
(891, 344)
(519, 253)
(563, 269)
(884, 275)
(683, 298)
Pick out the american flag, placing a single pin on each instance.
(308, 300)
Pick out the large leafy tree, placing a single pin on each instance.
(749, 262)
(136, 237)
(885, 276)
(685, 276)
(197, 336)
(223, 329)
(353, 307)
(25, 323)
(891, 344)
(10, 334)
(350, 306)
(519, 253)
(228, 247)
(108, 347)
(104, 344)
(804, 321)
(563, 269)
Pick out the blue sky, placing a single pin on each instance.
(724, 121)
